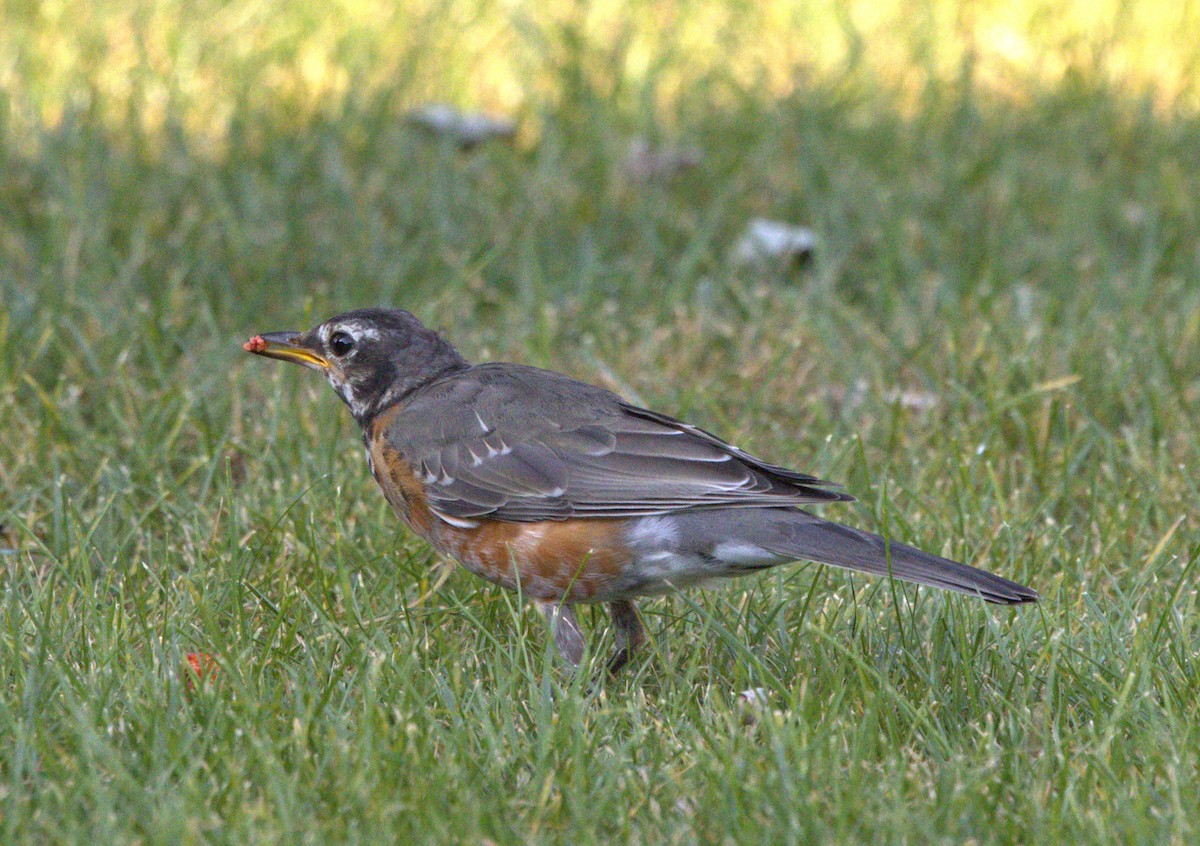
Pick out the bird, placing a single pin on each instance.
(570, 494)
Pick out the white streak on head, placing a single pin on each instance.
(346, 391)
(356, 329)
(360, 331)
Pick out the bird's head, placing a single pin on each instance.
(372, 357)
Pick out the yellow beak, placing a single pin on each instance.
(283, 346)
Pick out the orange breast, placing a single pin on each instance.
(399, 483)
(568, 560)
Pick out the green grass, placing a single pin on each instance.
(1025, 252)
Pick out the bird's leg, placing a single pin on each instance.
(568, 637)
(628, 630)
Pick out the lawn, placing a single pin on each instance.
(995, 346)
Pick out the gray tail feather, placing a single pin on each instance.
(814, 539)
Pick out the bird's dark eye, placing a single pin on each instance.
(340, 343)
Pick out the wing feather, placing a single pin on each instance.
(522, 444)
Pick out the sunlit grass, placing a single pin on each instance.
(202, 63)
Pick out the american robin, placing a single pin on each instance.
(564, 491)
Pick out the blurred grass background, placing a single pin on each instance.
(1005, 197)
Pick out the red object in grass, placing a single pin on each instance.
(202, 666)
(255, 344)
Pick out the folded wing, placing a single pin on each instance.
(546, 447)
